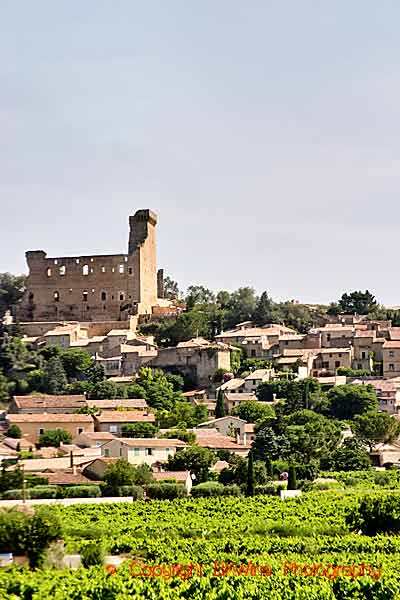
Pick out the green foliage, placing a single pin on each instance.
(252, 411)
(42, 491)
(92, 554)
(250, 475)
(122, 473)
(76, 362)
(103, 390)
(195, 459)
(14, 431)
(375, 515)
(177, 381)
(292, 480)
(171, 289)
(183, 415)
(12, 288)
(54, 437)
(212, 488)
(347, 401)
(138, 430)
(180, 434)
(165, 491)
(10, 479)
(82, 491)
(352, 372)
(136, 491)
(220, 405)
(358, 302)
(372, 428)
(55, 378)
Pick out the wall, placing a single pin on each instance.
(95, 288)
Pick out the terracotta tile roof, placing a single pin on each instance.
(258, 374)
(177, 475)
(97, 435)
(232, 384)
(49, 418)
(392, 344)
(211, 438)
(219, 465)
(367, 334)
(118, 402)
(66, 477)
(194, 342)
(125, 416)
(47, 401)
(193, 393)
(232, 396)
(34, 465)
(24, 444)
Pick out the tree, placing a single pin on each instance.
(220, 405)
(269, 444)
(12, 288)
(292, 480)
(138, 430)
(264, 392)
(195, 459)
(358, 302)
(310, 436)
(347, 401)
(14, 431)
(241, 306)
(76, 363)
(351, 456)
(177, 381)
(183, 415)
(104, 390)
(268, 466)
(171, 289)
(250, 475)
(135, 391)
(4, 389)
(373, 428)
(55, 379)
(10, 480)
(198, 294)
(252, 411)
(123, 473)
(267, 311)
(54, 437)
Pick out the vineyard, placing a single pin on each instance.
(313, 530)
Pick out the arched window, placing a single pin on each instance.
(62, 270)
(121, 268)
(85, 270)
(56, 296)
(49, 272)
(85, 296)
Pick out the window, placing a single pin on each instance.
(80, 430)
(113, 428)
(49, 272)
(121, 296)
(391, 367)
(253, 353)
(92, 259)
(125, 258)
(120, 451)
(167, 450)
(325, 365)
(149, 452)
(103, 296)
(84, 296)
(93, 290)
(328, 337)
(85, 270)
(130, 271)
(286, 343)
(41, 431)
(56, 296)
(136, 451)
(107, 452)
(121, 269)
(62, 270)
(340, 356)
(113, 270)
(77, 261)
(337, 364)
(391, 353)
(56, 261)
(103, 269)
(363, 355)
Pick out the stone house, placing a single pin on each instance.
(33, 425)
(391, 358)
(112, 421)
(139, 451)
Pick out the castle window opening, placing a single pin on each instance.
(93, 290)
(103, 296)
(62, 270)
(125, 258)
(49, 272)
(121, 268)
(56, 262)
(91, 260)
(85, 296)
(113, 270)
(121, 296)
(56, 296)
(85, 270)
(77, 261)
(103, 269)
(130, 271)
(91, 269)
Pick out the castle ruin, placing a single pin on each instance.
(96, 288)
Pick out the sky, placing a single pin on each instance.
(264, 134)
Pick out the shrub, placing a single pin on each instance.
(375, 515)
(268, 489)
(231, 490)
(12, 495)
(165, 491)
(14, 432)
(92, 554)
(382, 479)
(209, 488)
(43, 491)
(82, 491)
(131, 490)
(292, 481)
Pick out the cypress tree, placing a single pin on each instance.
(268, 466)
(250, 475)
(292, 481)
(55, 377)
(220, 406)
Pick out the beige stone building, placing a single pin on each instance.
(33, 425)
(391, 358)
(140, 451)
(112, 421)
(96, 288)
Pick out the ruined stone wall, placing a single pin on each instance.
(95, 288)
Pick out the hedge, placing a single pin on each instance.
(165, 491)
(39, 491)
(213, 488)
(131, 490)
(82, 491)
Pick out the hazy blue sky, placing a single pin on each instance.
(266, 135)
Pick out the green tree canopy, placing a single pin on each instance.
(195, 459)
(372, 428)
(252, 411)
(347, 401)
(138, 430)
(12, 288)
(54, 437)
(358, 302)
(55, 379)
